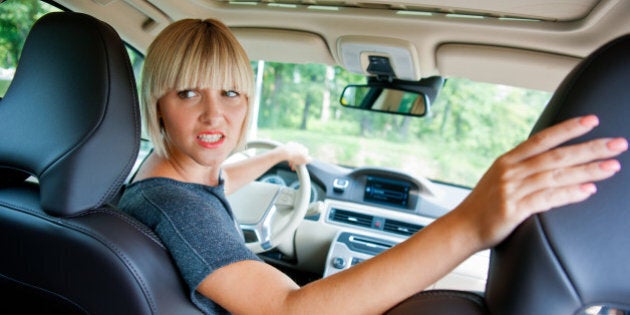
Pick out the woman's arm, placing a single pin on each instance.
(533, 177)
(241, 173)
(371, 287)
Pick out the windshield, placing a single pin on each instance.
(469, 126)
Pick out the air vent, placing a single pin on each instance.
(350, 217)
(401, 228)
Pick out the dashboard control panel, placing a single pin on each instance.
(387, 191)
(349, 249)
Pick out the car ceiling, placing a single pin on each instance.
(528, 43)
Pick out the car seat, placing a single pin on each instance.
(572, 260)
(70, 135)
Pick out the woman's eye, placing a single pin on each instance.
(186, 94)
(231, 93)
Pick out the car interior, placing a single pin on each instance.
(72, 139)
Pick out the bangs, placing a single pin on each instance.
(204, 59)
(220, 70)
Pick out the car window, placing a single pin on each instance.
(470, 124)
(16, 20)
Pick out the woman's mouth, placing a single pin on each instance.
(210, 139)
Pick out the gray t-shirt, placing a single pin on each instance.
(195, 223)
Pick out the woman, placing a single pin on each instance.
(196, 86)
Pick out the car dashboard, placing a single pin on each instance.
(357, 213)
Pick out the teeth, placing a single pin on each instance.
(210, 137)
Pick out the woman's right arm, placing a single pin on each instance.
(533, 177)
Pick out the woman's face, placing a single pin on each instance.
(203, 126)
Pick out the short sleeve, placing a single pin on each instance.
(196, 225)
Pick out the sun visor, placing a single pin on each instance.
(283, 45)
(355, 51)
(510, 66)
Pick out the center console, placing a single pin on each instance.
(349, 249)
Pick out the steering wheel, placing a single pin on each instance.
(268, 213)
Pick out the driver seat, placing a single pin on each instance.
(70, 122)
(572, 260)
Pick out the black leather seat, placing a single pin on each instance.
(70, 119)
(572, 260)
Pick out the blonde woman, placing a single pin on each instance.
(196, 86)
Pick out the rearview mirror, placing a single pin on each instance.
(385, 100)
(411, 98)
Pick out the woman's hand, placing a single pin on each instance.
(295, 153)
(241, 173)
(536, 176)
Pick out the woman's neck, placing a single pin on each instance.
(157, 166)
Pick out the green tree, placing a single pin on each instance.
(16, 19)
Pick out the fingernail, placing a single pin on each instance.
(610, 165)
(589, 188)
(589, 121)
(618, 144)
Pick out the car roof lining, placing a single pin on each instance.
(540, 9)
(315, 32)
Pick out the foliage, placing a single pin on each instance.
(16, 19)
(469, 126)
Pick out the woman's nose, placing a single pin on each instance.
(211, 108)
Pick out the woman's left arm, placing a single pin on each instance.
(241, 173)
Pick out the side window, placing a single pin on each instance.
(16, 19)
(137, 60)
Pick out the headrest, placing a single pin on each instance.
(598, 85)
(575, 256)
(70, 117)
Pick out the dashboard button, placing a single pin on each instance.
(340, 185)
(356, 260)
(339, 262)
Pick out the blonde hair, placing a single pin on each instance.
(188, 54)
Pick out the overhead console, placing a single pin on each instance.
(355, 52)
